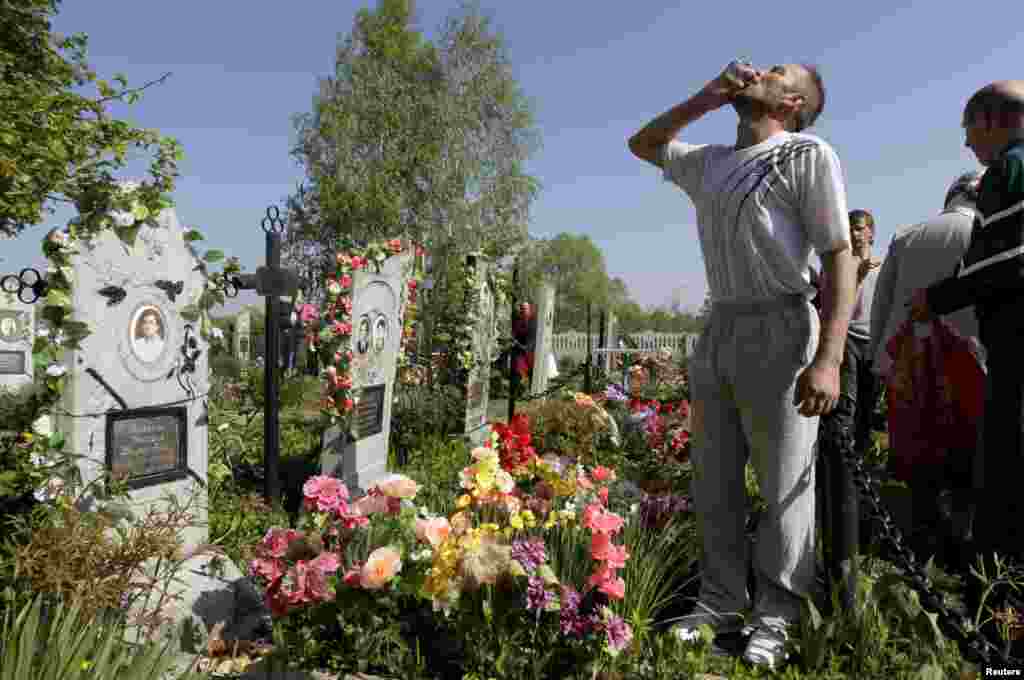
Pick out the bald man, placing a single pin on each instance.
(991, 277)
(766, 367)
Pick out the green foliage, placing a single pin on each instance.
(414, 138)
(56, 141)
(53, 640)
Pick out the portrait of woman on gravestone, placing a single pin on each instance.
(363, 339)
(148, 334)
(380, 333)
(8, 328)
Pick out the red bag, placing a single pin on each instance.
(936, 395)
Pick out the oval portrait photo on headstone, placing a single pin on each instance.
(148, 333)
(8, 328)
(380, 333)
(363, 338)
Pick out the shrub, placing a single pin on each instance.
(226, 366)
(52, 640)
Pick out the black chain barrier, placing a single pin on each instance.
(28, 285)
(973, 644)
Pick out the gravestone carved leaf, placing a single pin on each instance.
(114, 294)
(172, 288)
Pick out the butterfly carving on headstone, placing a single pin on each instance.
(114, 294)
(173, 289)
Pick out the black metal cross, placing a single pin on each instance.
(272, 282)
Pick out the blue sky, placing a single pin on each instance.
(897, 78)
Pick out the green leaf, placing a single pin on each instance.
(58, 298)
(193, 235)
(213, 256)
(190, 313)
(127, 234)
(56, 441)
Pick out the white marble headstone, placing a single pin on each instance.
(17, 333)
(136, 406)
(611, 339)
(478, 381)
(376, 342)
(542, 341)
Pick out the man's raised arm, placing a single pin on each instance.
(647, 143)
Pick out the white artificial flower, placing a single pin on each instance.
(122, 218)
(43, 332)
(56, 370)
(217, 333)
(43, 426)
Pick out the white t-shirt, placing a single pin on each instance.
(761, 211)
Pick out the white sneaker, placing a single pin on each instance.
(766, 647)
(687, 628)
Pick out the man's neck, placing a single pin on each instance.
(752, 132)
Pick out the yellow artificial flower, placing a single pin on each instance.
(516, 520)
(464, 501)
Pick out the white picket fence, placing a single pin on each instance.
(574, 343)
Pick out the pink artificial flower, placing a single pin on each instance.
(345, 303)
(412, 284)
(597, 519)
(603, 474)
(269, 569)
(381, 566)
(358, 262)
(603, 550)
(342, 328)
(605, 580)
(371, 505)
(324, 493)
(615, 588)
(584, 482)
(332, 374)
(347, 405)
(433, 531)
(602, 493)
(276, 541)
(419, 251)
(395, 245)
(345, 281)
(276, 599)
(316, 586)
(398, 486)
(326, 562)
(344, 382)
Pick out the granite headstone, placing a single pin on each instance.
(360, 456)
(135, 403)
(478, 380)
(542, 340)
(17, 333)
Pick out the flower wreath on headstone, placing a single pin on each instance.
(334, 341)
(123, 212)
(464, 331)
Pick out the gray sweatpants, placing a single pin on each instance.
(742, 380)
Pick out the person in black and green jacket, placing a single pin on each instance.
(991, 278)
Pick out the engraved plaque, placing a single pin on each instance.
(477, 390)
(370, 412)
(12, 363)
(149, 446)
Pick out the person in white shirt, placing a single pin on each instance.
(765, 367)
(149, 341)
(919, 256)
